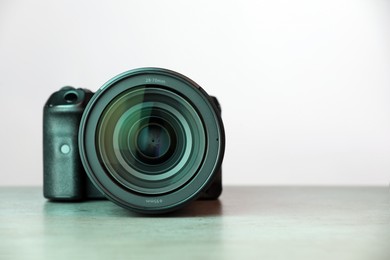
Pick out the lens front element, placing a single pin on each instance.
(146, 140)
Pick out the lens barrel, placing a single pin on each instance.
(151, 140)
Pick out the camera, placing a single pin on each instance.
(151, 140)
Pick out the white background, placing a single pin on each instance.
(304, 85)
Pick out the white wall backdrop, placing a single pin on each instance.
(305, 85)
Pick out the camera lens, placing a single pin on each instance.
(151, 140)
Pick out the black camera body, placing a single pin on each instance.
(150, 140)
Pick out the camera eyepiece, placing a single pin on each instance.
(71, 96)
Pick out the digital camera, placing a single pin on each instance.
(151, 140)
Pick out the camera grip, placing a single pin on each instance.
(64, 176)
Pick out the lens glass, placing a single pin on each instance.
(151, 140)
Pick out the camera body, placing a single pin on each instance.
(68, 173)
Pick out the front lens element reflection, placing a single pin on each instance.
(153, 141)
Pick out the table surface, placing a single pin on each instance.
(245, 223)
